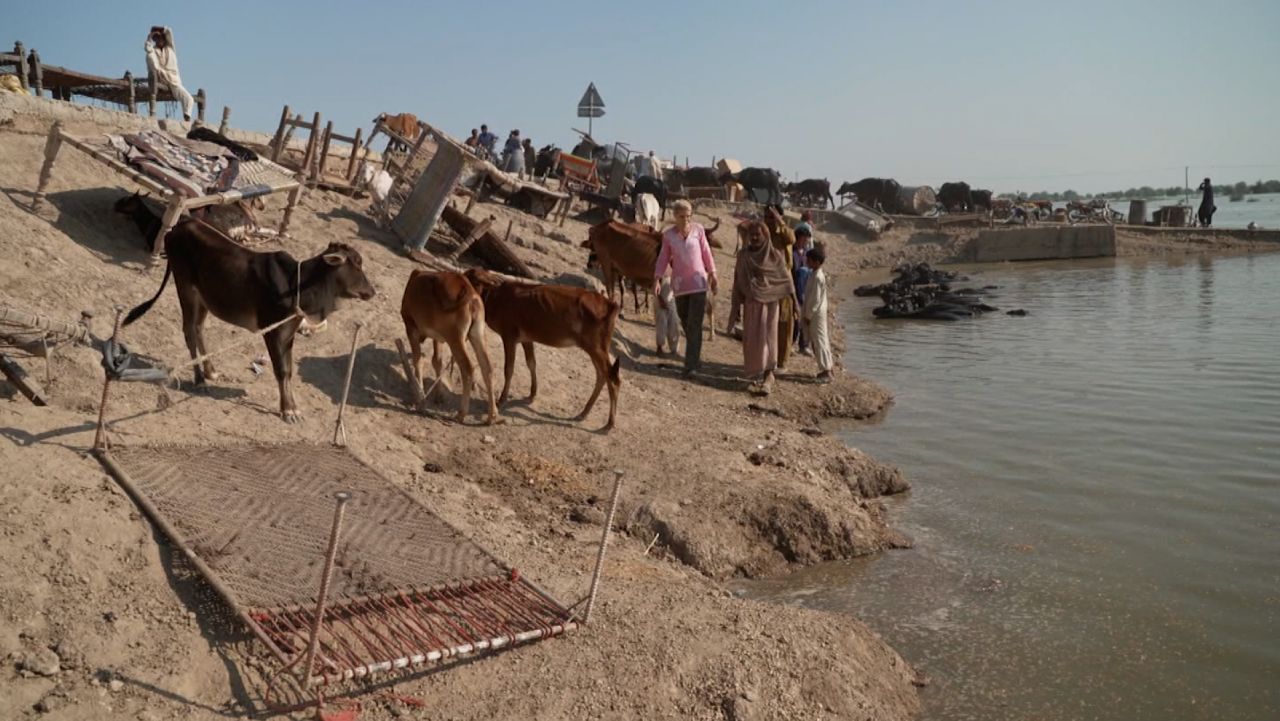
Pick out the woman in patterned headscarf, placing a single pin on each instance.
(761, 282)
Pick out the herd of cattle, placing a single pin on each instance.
(258, 290)
(765, 185)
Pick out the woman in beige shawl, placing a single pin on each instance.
(760, 282)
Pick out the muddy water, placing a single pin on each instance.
(1097, 494)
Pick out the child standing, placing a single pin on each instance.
(666, 326)
(800, 276)
(814, 314)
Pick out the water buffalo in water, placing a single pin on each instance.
(955, 197)
(758, 179)
(879, 193)
(814, 191)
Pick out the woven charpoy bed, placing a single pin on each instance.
(255, 178)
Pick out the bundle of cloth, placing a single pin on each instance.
(191, 168)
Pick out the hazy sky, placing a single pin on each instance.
(1007, 95)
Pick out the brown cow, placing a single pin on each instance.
(253, 291)
(554, 315)
(630, 250)
(445, 307)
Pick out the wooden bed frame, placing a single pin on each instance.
(175, 203)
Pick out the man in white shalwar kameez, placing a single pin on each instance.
(162, 61)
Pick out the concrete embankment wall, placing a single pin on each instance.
(1264, 236)
(1044, 243)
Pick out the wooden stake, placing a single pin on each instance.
(133, 99)
(338, 428)
(24, 70)
(277, 143)
(355, 151)
(226, 119)
(34, 61)
(201, 100)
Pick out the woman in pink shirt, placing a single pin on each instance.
(693, 272)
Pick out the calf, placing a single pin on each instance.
(253, 291)
(653, 187)
(446, 307)
(648, 210)
(554, 315)
(143, 216)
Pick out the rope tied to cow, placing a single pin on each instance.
(118, 361)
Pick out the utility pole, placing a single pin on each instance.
(1186, 185)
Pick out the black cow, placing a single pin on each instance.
(653, 186)
(981, 199)
(955, 197)
(813, 191)
(144, 217)
(753, 179)
(680, 180)
(547, 162)
(254, 290)
(878, 193)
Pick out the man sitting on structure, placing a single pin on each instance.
(162, 61)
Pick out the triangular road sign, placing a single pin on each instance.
(591, 98)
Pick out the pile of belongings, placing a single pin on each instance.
(191, 168)
(919, 291)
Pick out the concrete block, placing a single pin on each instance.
(1045, 243)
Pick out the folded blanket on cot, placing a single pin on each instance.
(191, 168)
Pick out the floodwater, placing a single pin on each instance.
(1262, 208)
(1096, 502)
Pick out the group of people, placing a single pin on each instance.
(779, 291)
(517, 154)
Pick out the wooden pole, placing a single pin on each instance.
(288, 133)
(34, 61)
(506, 238)
(278, 140)
(133, 97)
(201, 100)
(480, 229)
(226, 119)
(324, 150)
(340, 430)
(151, 92)
(310, 158)
(355, 151)
(51, 146)
(24, 70)
(472, 200)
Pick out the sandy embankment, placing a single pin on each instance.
(728, 488)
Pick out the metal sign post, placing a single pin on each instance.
(591, 105)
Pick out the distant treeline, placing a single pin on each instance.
(1146, 191)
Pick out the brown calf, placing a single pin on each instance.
(445, 307)
(554, 315)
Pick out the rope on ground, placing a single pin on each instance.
(116, 358)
